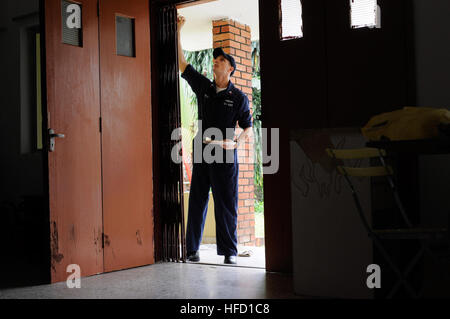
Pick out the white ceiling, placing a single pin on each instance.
(197, 32)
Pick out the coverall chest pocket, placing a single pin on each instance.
(225, 114)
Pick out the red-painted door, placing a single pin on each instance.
(100, 171)
(73, 106)
(126, 137)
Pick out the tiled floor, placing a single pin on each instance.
(169, 281)
(208, 255)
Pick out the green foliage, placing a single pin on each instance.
(255, 60)
(257, 125)
(202, 61)
(259, 207)
(188, 116)
(257, 133)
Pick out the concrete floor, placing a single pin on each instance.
(169, 281)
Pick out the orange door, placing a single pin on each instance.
(100, 172)
(126, 137)
(73, 106)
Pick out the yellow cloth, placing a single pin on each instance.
(409, 123)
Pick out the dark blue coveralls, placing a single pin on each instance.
(220, 110)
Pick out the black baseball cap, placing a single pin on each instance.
(219, 51)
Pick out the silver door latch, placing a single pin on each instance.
(52, 135)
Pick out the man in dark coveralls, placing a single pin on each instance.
(220, 105)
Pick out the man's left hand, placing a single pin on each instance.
(229, 145)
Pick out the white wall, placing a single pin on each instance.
(331, 248)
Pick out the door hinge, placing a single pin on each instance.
(103, 240)
(98, 8)
(100, 124)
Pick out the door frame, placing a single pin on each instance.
(45, 135)
(273, 262)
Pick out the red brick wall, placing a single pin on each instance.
(235, 39)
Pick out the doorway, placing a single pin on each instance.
(235, 27)
(23, 199)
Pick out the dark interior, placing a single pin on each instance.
(334, 77)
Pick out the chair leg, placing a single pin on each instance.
(424, 249)
(396, 195)
(410, 267)
(376, 240)
(401, 277)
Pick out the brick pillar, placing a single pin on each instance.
(235, 39)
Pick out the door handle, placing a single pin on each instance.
(52, 135)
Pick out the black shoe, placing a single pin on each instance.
(231, 260)
(193, 257)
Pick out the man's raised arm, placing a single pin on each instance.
(181, 59)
